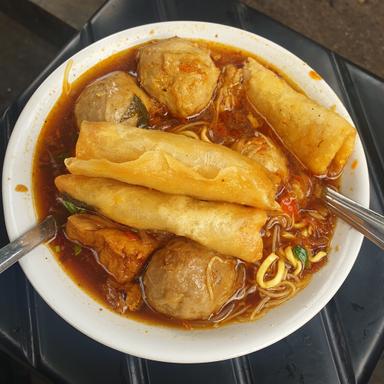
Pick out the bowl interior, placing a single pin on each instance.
(143, 340)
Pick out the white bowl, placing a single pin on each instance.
(154, 342)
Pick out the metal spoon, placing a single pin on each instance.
(366, 221)
(12, 252)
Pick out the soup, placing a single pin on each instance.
(194, 190)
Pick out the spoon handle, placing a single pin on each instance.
(366, 221)
(12, 252)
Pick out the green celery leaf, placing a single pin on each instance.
(71, 207)
(77, 249)
(301, 254)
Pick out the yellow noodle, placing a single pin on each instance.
(316, 215)
(300, 224)
(281, 290)
(285, 274)
(293, 261)
(188, 126)
(288, 235)
(204, 135)
(289, 284)
(293, 277)
(264, 268)
(252, 119)
(319, 256)
(191, 134)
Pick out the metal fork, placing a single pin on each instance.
(366, 221)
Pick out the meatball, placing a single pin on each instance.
(179, 74)
(262, 150)
(115, 98)
(185, 280)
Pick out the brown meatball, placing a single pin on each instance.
(185, 280)
(115, 98)
(179, 74)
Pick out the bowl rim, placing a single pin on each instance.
(14, 229)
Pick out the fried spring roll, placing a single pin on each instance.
(320, 138)
(172, 163)
(227, 228)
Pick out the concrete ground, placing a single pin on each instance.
(75, 13)
(352, 28)
(29, 40)
(23, 56)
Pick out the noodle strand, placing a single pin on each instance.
(264, 268)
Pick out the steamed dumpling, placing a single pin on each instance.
(185, 280)
(179, 74)
(115, 98)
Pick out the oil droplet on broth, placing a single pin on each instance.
(314, 75)
(21, 188)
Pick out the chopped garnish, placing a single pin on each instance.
(137, 108)
(61, 157)
(77, 249)
(301, 254)
(71, 207)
